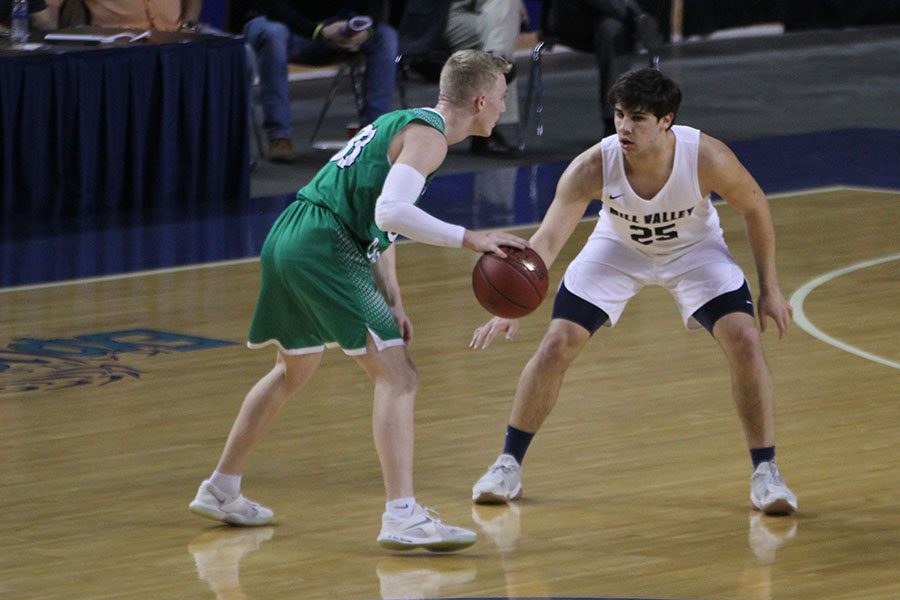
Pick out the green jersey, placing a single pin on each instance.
(351, 182)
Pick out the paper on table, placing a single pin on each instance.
(93, 37)
(29, 47)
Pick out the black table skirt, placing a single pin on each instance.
(123, 128)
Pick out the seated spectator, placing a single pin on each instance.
(161, 15)
(492, 26)
(39, 17)
(609, 29)
(312, 32)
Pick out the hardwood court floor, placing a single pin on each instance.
(636, 487)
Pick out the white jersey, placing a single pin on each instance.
(670, 223)
(673, 239)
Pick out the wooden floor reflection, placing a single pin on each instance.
(637, 486)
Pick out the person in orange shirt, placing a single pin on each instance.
(161, 15)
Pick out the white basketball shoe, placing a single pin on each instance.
(213, 503)
(769, 493)
(422, 529)
(501, 483)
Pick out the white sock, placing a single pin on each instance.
(230, 484)
(400, 507)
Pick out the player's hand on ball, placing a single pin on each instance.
(485, 334)
(490, 241)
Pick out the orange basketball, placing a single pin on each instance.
(510, 287)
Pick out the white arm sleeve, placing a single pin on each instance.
(395, 210)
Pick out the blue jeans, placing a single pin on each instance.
(275, 45)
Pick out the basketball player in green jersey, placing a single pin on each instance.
(329, 278)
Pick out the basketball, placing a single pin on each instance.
(510, 287)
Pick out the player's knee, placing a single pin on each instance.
(294, 378)
(743, 342)
(411, 378)
(296, 371)
(404, 379)
(557, 350)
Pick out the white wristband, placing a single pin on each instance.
(395, 210)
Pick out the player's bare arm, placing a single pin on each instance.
(384, 271)
(581, 182)
(422, 147)
(720, 171)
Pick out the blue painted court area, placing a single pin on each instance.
(111, 244)
(851, 157)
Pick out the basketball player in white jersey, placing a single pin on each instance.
(657, 227)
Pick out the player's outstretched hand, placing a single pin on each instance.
(485, 334)
(490, 241)
(776, 306)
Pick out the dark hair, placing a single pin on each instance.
(646, 90)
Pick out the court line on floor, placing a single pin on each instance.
(191, 267)
(798, 297)
(511, 228)
(129, 275)
(833, 188)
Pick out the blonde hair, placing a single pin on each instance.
(469, 73)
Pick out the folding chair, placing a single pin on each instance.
(534, 104)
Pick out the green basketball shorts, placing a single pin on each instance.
(317, 288)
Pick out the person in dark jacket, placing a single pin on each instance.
(609, 29)
(315, 32)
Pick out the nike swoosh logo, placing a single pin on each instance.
(425, 522)
(611, 197)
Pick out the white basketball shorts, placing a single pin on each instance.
(608, 273)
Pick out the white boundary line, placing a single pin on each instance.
(166, 270)
(238, 261)
(798, 297)
(833, 188)
(133, 274)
